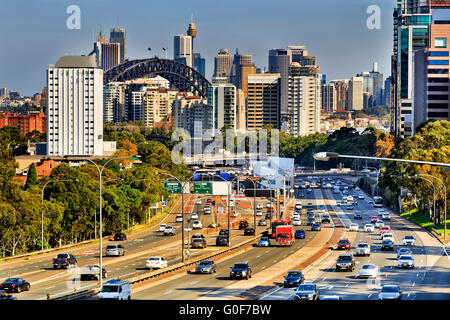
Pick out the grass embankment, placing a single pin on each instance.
(423, 220)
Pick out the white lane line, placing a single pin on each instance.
(50, 287)
(194, 282)
(167, 292)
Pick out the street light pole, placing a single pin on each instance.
(42, 216)
(445, 200)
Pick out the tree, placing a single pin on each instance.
(31, 177)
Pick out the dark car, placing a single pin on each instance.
(316, 226)
(15, 285)
(5, 296)
(299, 234)
(310, 221)
(224, 232)
(64, 260)
(241, 270)
(243, 225)
(349, 208)
(120, 236)
(326, 218)
(293, 279)
(268, 215)
(198, 243)
(345, 262)
(249, 231)
(344, 244)
(357, 215)
(92, 272)
(301, 195)
(222, 240)
(307, 291)
(387, 245)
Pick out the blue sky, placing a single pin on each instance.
(35, 33)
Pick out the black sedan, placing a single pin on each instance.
(316, 227)
(387, 245)
(15, 285)
(293, 279)
(249, 231)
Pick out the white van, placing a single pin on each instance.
(336, 190)
(116, 289)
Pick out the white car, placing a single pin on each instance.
(363, 249)
(381, 212)
(390, 292)
(379, 223)
(207, 210)
(198, 202)
(403, 251)
(405, 261)
(259, 213)
(156, 263)
(387, 236)
(196, 224)
(368, 270)
(386, 216)
(338, 203)
(179, 218)
(296, 222)
(361, 197)
(295, 215)
(259, 206)
(194, 216)
(369, 228)
(353, 227)
(169, 231)
(350, 198)
(409, 241)
(269, 205)
(162, 227)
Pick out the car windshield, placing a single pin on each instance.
(61, 256)
(108, 288)
(387, 242)
(153, 259)
(293, 274)
(240, 266)
(264, 239)
(389, 289)
(368, 266)
(406, 258)
(409, 237)
(205, 263)
(345, 258)
(12, 280)
(343, 242)
(111, 247)
(363, 245)
(306, 287)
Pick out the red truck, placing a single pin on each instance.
(285, 235)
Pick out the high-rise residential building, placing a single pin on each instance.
(242, 66)
(222, 64)
(134, 93)
(241, 114)
(182, 49)
(341, 94)
(304, 99)
(113, 102)
(193, 114)
(75, 107)
(157, 105)
(431, 76)
(329, 97)
(200, 64)
(355, 94)
(263, 101)
(222, 100)
(3, 92)
(119, 35)
(411, 20)
(24, 122)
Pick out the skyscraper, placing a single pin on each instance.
(355, 94)
(199, 64)
(222, 64)
(182, 49)
(118, 35)
(75, 107)
(222, 100)
(110, 55)
(329, 98)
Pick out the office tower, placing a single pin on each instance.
(242, 66)
(118, 35)
(199, 64)
(329, 97)
(387, 91)
(110, 55)
(75, 107)
(324, 79)
(341, 94)
(3, 92)
(112, 101)
(217, 80)
(222, 100)
(222, 64)
(304, 99)
(192, 114)
(431, 76)
(367, 100)
(411, 20)
(134, 93)
(373, 83)
(355, 94)
(241, 114)
(244, 71)
(263, 101)
(182, 46)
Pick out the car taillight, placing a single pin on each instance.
(13, 285)
(54, 259)
(65, 260)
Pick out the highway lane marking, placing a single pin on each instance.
(50, 287)
(194, 282)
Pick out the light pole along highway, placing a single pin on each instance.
(325, 156)
(42, 217)
(100, 172)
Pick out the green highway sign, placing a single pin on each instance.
(202, 187)
(172, 187)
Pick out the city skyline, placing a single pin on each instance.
(342, 42)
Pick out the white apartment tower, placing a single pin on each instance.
(75, 107)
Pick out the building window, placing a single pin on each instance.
(438, 62)
(438, 54)
(440, 42)
(438, 71)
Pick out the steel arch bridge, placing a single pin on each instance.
(183, 77)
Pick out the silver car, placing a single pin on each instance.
(307, 291)
(114, 250)
(390, 292)
(409, 240)
(368, 270)
(403, 251)
(205, 266)
(405, 261)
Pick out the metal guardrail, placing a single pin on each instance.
(76, 295)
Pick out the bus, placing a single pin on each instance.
(279, 222)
